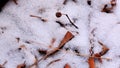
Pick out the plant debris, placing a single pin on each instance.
(104, 49)
(53, 62)
(44, 20)
(68, 36)
(59, 14)
(65, 1)
(67, 66)
(21, 65)
(60, 23)
(108, 9)
(91, 62)
(43, 52)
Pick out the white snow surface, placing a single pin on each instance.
(15, 22)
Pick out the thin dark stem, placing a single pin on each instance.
(71, 21)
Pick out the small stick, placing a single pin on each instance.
(53, 62)
(59, 14)
(44, 20)
(71, 21)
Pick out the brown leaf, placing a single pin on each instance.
(104, 49)
(108, 9)
(91, 62)
(67, 66)
(21, 65)
(68, 36)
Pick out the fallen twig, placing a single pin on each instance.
(53, 62)
(44, 20)
(59, 14)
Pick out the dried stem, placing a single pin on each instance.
(44, 20)
(71, 21)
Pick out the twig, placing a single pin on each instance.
(53, 62)
(71, 21)
(44, 20)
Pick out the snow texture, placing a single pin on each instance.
(34, 34)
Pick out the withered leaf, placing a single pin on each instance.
(91, 62)
(104, 49)
(109, 9)
(67, 66)
(68, 36)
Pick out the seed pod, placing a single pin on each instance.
(58, 14)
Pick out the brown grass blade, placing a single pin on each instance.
(91, 62)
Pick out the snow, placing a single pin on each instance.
(15, 22)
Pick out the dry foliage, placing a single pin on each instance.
(104, 49)
(68, 36)
(42, 19)
(53, 61)
(67, 66)
(109, 9)
(91, 62)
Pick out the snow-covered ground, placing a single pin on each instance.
(22, 36)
